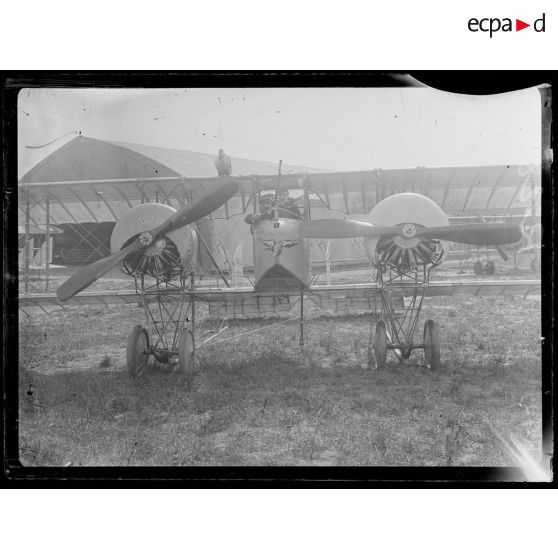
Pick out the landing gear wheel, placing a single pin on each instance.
(477, 269)
(490, 268)
(185, 352)
(431, 344)
(136, 351)
(380, 345)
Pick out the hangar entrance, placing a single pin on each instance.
(81, 243)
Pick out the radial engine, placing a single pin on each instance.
(166, 258)
(407, 251)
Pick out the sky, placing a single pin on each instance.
(327, 128)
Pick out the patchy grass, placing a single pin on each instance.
(260, 400)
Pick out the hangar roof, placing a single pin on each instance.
(85, 158)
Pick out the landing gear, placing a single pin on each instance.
(137, 351)
(185, 351)
(431, 344)
(168, 338)
(478, 269)
(380, 345)
(395, 331)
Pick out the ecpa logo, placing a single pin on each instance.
(494, 24)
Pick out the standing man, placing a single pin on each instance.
(223, 164)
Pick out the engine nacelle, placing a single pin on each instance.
(169, 256)
(407, 251)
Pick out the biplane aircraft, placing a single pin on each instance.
(405, 235)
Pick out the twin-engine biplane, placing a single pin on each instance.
(405, 235)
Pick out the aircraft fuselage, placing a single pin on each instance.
(281, 256)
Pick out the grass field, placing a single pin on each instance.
(260, 400)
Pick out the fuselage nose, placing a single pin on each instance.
(281, 256)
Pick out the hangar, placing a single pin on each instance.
(85, 226)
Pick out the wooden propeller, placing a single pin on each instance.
(488, 234)
(204, 206)
(343, 228)
(481, 234)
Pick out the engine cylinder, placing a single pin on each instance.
(168, 256)
(407, 251)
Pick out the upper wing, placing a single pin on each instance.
(488, 189)
(495, 190)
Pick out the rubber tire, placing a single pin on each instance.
(477, 268)
(431, 345)
(380, 345)
(490, 268)
(136, 360)
(185, 351)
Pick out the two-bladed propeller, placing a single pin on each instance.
(207, 204)
(478, 234)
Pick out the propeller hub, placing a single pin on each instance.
(408, 236)
(409, 230)
(145, 238)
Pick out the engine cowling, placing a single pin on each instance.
(407, 251)
(169, 256)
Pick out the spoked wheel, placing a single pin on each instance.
(136, 351)
(185, 351)
(380, 345)
(490, 268)
(431, 344)
(477, 269)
